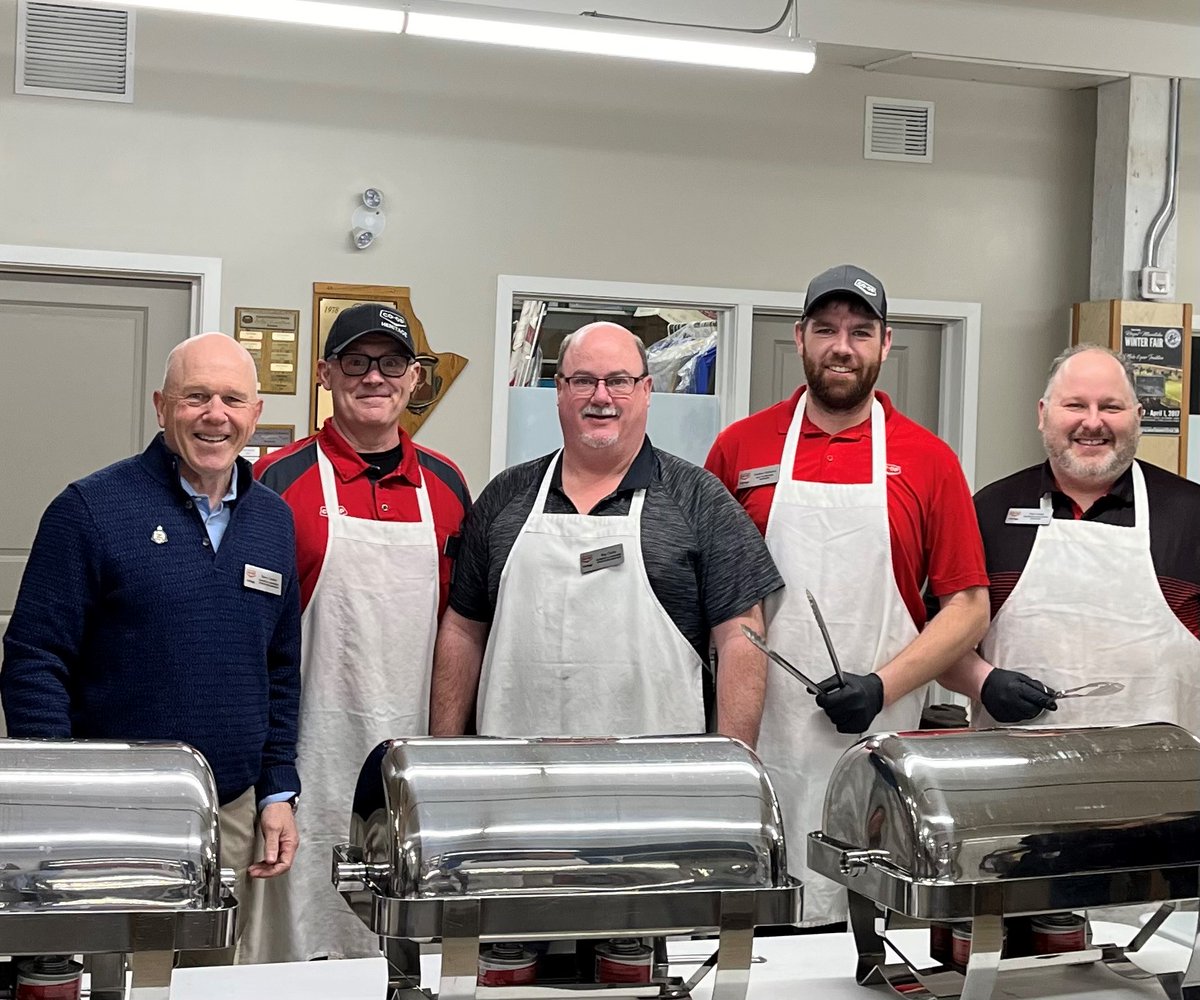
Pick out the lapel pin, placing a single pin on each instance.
(158, 536)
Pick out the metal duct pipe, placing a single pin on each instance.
(1158, 228)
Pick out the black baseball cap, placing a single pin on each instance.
(358, 321)
(846, 279)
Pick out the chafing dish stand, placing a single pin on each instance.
(980, 826)
(482, 840)
(110, 851)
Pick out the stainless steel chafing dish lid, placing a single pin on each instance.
(90, 825)
(440, 817)
(1012, 803)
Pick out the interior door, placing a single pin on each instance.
(81, 358)
(911, 375)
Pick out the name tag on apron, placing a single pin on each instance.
(266, 580)
(612, 555)
(765, 476)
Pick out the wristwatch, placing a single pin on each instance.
(294, 801)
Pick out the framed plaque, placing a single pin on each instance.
(272, 336)
(438, 371)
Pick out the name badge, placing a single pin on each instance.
(612, 555)
(266, 580)
(1031, 515)
(765, 476)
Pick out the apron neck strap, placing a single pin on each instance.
(329, 495)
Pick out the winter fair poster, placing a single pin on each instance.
(1156, 354)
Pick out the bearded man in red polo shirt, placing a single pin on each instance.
(859, 505)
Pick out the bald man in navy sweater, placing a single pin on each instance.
(160, 602)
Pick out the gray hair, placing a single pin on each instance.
(1070, 352)
(570, 337)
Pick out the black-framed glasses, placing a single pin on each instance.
(617, 385)
(390, 365)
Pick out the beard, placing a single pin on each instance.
(1101, 470)
(840, 394)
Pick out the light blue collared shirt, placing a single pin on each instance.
(215, 521)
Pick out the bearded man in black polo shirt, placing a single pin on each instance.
(1094, 563)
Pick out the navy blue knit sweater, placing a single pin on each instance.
(116, 635)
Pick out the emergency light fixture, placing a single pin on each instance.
(528, 29)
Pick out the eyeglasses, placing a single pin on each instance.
(617, 385)
(390, 365)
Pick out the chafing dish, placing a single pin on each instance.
(979, 826)
(110, 850)
(471, 840)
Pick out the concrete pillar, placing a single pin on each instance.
(1130, 181)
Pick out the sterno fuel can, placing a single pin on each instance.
(506, 965)
(624, 960)
(49, 977)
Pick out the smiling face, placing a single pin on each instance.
(208, 407)
(367, 408)
(842, 345)
(1090, 421)
(600, 420)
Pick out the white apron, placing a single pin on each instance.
(1087, 608)
(367, 650)
(584, 654)
(833, 539)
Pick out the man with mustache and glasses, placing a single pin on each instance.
(1094, 560)
(377, 522)
(591, 581)
(859, 505)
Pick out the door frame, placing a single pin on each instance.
(958, 380)
(202, 273)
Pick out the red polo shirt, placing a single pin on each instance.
(930, 512)
(292, 472)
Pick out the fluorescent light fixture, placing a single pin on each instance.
(526, 29)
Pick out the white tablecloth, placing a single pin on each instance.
(818, 966)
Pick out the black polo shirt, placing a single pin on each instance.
(706, 561)
(1174, 530)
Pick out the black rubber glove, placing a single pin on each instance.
(852, 707)
(1010, 696)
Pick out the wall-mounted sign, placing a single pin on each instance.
(268, 438)
(1156, 353)
(272, 336)
(438, 371)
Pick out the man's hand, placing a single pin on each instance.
(1010, 696)
(277, 822)
(852, 707)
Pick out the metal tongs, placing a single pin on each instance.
(812, 686)
(1096, 689)
(761, 643)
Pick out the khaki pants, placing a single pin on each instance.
(238, 821)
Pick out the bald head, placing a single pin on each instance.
(597, 334)
(1092, 361)
(207, 350)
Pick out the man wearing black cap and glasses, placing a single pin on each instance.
(859, 505)
(377, 523)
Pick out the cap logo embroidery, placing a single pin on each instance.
(865, 286)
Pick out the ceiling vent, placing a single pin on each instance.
(899, 130)
(65, 50)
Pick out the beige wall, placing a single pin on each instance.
(249, 142)
(1188, 219)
